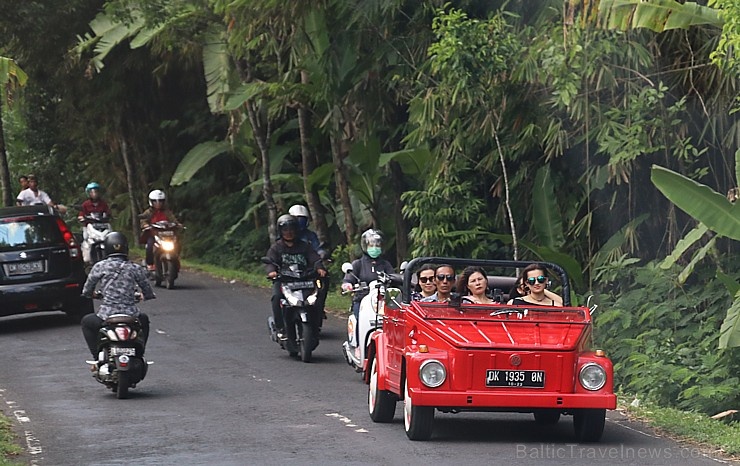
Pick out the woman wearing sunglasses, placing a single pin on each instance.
(425, 286)
(534, 278)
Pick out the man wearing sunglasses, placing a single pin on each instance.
(444, 278)
(534, 277)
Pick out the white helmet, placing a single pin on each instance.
(156, 195)
(301, 214)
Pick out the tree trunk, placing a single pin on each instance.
(130, 184)
(402, 240)
(318, 213)
(337, 156)
(4, 168)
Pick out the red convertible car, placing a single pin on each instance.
(454, 357)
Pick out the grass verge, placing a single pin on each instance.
(9, 443)
(718, 438)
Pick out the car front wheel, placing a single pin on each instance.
(589, 424)
(381, 403)
(417, 420)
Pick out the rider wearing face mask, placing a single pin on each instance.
(366, 268)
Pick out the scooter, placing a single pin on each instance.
(120, 364)
(166, 252)
(359, 330)
(300, 290)
(97, 226)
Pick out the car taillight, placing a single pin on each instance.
(69, 239)
(123, 333)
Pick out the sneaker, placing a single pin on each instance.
(281, 335)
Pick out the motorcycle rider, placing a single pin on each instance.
(283, 253)
(366, 268)
(93, 204)
(300, 212)
(156, 212)
(119, 279)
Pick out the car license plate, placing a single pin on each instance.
(118, 351)
(22, 268)
(527, 379)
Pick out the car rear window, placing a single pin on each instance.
(28, 232)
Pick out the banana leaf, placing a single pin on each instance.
(729, 333)
(699, 201)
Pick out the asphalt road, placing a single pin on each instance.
(221, 392)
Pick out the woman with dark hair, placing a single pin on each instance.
(425, 286)
(534, 277)
(472, 284)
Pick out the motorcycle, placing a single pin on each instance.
(360, 329)
(97, 226)
(120, 364)
(300, 290)
(166, 252)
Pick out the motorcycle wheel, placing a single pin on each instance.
(169, 275)
(158, 272)
(307, 339)
(122, 389)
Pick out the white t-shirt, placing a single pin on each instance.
(28, 197)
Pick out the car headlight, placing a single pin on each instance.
(432, 373)
(592, 376)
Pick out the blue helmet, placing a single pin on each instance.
(90, 186)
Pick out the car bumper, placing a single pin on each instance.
(473, 400)
(38, 297)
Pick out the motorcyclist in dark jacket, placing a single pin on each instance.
(287, 251)
(119, 279)
(300, 212)
(366, 268)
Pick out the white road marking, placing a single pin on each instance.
(347, 422)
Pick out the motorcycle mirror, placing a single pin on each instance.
(346, 267)
(403, 266)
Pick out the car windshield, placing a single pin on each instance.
(24, 233)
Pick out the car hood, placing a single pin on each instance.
(558, 329)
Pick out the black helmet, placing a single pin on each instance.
(116, 244)
(286, 222)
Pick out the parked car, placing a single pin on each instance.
(41, 266)
(454, 357)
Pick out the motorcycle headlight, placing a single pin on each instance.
(432, 373)
(168, 246)
(592, 376)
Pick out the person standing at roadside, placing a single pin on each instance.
(34, 196)
(23, 181)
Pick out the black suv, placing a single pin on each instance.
(41, 266)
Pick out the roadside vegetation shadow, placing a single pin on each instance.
(497, 428)
(35, 322)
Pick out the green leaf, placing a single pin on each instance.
(689, 239)
(730, 283)
(699, 201)
(700, 254)
(729, 333)
(657, 15)
(216, 68)
(412, 161)
(546, 215)
(196, 159)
